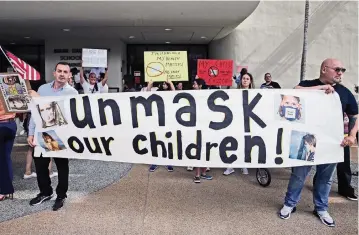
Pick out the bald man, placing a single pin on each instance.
(331, 74)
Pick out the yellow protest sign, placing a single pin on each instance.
(163, 65)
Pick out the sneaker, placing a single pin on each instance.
(349, 195)
(325, 218)
(197, 179)
(286, 211)
(153, 168)
(169, 168)
(59, 202)
(39, 199)
(352, 197)
(32, 175)
(189, 168)
(206, 177)
(228, 171)
(208, 169)
(245, 171)
(54, 174)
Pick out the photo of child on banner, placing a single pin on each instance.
(50, 141)
(51, 114)
(291, 109)
(302, 146)
(14, 93)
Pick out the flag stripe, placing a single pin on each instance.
(23, 69)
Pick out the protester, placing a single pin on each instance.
(179, 86)
(93, 86)
(269, 84)
(59, 87)
(7, 137)
(164, 86)
(239, 77)
(245, 83)
(199, 84)
(331, 72)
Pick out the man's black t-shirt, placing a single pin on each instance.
(271, 85)
(349, 104)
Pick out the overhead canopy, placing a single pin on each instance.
(132, 22)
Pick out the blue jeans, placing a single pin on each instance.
(7, 137)
(321, 187)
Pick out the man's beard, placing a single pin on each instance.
(337, 80)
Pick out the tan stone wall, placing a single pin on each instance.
(271, 39)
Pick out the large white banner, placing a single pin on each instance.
(208, 128)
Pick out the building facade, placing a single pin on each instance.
(266, 36)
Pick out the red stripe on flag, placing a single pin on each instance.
(25, 70)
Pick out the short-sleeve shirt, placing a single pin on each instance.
(349, 103)
(271, 85)
(90, 89)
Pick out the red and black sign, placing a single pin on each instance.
(215, 72)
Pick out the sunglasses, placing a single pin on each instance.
(337, 69)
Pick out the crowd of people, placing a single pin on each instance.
(331, 73)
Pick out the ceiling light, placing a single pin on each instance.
(27, 37)
(168, 29)
(12, 43)
(131, 37)
(203, 37)
(66, 30)
(168, 42)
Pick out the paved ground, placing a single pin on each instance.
(170, 203)
(85, 177)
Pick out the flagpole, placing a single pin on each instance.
(8, 59)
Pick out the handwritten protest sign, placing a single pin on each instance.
(14, 93)
(163, 65)
(94, 58)
(215, 72)
(208, 128)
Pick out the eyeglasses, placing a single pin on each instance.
(337, 69)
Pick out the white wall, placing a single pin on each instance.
(115, 56)
(271, 39)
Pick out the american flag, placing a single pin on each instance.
(25, 71)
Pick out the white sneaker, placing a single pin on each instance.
(228, 171)
(54, 174)
(208, 169)
(245, 171)
(325, 218)
(32, 175)
(22, 132)
(286, 211)
(189, 168)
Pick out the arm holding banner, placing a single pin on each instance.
(327, 88)
(30, 138)
(352, 112)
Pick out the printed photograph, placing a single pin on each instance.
(51, 114)
(18, 102)
(302, 146)
(290, 108)
(50, 141)
(14, 93)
